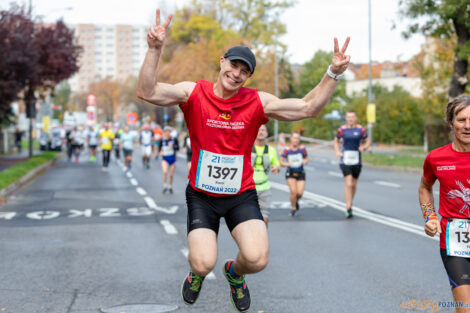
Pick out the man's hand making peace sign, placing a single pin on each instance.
(157, 34)
(340, 61)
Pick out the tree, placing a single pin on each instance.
(108, 98)
(18, 58)
(61, 98)
(399, 117)
(443, 19)
(34, 57)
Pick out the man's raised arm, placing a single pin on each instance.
(316, 99)
(148, 88)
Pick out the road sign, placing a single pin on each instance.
(91, 99)
(131, 118)
(371, 113)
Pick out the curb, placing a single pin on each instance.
(5, 192)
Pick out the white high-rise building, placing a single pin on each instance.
(115, 51)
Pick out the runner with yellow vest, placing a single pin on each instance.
(106, 138)
(264, 158)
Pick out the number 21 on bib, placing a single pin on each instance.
(219, 173)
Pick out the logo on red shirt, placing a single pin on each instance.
(446, 168)
(226, 116)
(464, 194)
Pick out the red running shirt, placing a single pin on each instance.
(223, 126)
(452, 169)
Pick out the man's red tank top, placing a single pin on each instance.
(222, 133)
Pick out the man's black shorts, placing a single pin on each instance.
(205, 211)
(354, 170)
(295, 175)
(457, 268)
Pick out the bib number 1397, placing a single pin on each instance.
(219, 173)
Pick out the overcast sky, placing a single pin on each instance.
(311, 24)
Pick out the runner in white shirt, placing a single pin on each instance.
(146, 136)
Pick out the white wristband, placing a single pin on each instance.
(333, 75)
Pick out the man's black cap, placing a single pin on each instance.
(242, 53)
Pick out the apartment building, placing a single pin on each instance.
(115, 51)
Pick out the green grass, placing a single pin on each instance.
(394, 160)
(25, 144)
(415, 150)
(14, 173)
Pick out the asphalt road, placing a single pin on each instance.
(78, 239)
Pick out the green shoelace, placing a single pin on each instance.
(195, 282)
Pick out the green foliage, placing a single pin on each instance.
(399, 118)
(61, 97)
(14, 173)
(256, 20)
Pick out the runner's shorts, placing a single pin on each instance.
(170, 159)
(205, 211)
(264, 200)
(457, 268)
(127, 152)
(146, 150)
(189, 155)
(296, 175)
(354, 170)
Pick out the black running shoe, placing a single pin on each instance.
(239, 293)
(170, 190)
(292, 212)
(297, 207)
(165, 190)
(349, 213)
(191, 287)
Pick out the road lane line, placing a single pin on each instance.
(336, 174)
(387, 184)
(378, 218)
(134, 181)
(169, 228)
(185, 252)
(150, 203)
(141, 191)
(129, 174)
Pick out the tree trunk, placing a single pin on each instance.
(459, 76)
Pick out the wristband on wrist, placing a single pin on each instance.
(432, 217)
(428, 211)
(333, 75)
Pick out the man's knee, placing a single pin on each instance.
(256, 261)
(201, 264)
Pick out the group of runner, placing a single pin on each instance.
(230, 162)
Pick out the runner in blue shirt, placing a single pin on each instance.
(354, 140)
(168, 152)
(126, 143)
(294, 158)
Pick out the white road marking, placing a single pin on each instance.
(185, 252)
(43, 215)
(77, 213)
(169, 228)
(109, 212)
(7, 215)
(310, 168)
(129, 174)
(378, 218)
(139, 211)
(134, 181)
(336, 174)
(387, 184)
(141, 191)
(150, 203)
